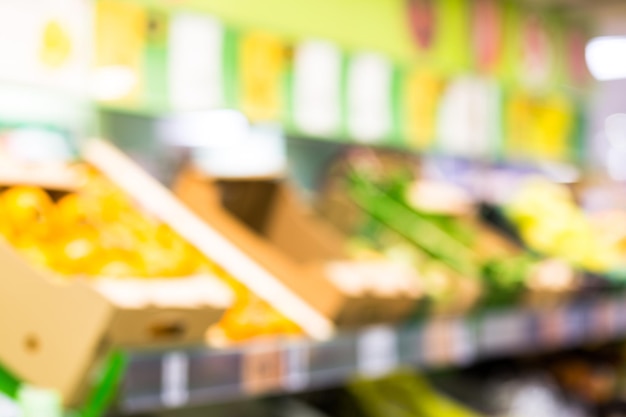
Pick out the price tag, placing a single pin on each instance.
(175, 379)
(554, 328)
(37, 402)
(8, 408)
(296, 367)
(262, 369)
(447, 341)
(604, 318)
(317, 88)
(195, 62)
(504, 333)
(377, 351)
(369, 97)
(575, 319)
(463, 347)
(620, 323)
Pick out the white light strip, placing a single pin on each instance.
(145, 190)
(606, 57)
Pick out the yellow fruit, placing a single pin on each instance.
(71, 211)
(79, 252)
(26, 211)
(251, 317)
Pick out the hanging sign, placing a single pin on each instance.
(576, 42)
(469, 109)
(539, 127)
(422, 22)
(369, 98)
(195, 62)
(120, 41)
(45, 43)
(261, 69)
(486, 34)
(317, 88)
(537, 54)
(422, 93)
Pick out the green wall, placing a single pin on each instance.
(375, 25)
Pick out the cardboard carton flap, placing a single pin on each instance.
(51, 331)
(309, 284)
(208, 239)
(301, 233)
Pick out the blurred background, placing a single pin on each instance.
(318, 208)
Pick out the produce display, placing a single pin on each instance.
(97, 232)
(460, 259)
(550, 222)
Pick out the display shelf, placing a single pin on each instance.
(199, 375)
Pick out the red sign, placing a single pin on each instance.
(422, 22)
(486, 33)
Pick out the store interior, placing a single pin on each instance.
(322, 208)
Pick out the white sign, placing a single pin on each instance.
(195, 62)
(369, 98)
(469, 117)
(174, 379)
(46, 43)
(378, 351)
(317, 88)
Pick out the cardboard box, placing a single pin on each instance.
(228, 243)
(281, 232)
(53, 330)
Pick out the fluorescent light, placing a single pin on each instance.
(606, 57)
(113, 82)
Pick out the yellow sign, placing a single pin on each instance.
(56, 47)
(120, 39)
(423, 93)
(262, 61)
(539, 126)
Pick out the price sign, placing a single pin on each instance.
(553, 328)
(262, 369)
(505, 333)
(296, 367)
(604, 319)
(377, 351)
(369, 98)
(175, 379)
(317, 88)
(437, 342)
(195, 62)
(261, 65)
